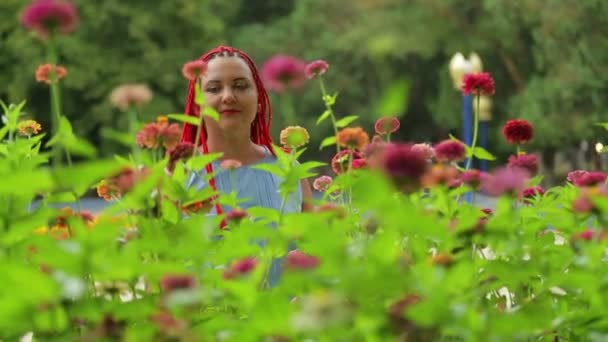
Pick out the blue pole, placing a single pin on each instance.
(483, 142)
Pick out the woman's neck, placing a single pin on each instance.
(239, 147)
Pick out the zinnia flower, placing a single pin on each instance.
(240, 268)
(193, 69)
(316, 68)
(127, 95)
(529, 193)
(160, 133)
(297, 260)
(236, 215)
(472, 178)
(172, 282)
(359, 164)
(574, 176)
(29, 127)
(440, 174)
(587, 178)
(528, 162)
(518, 131)
(49, 73)
(404, 166)
(182, 151)
(49, 16)
(387, 125)
(107, 190)
(283, 72)
(322, 183)
(426, 149)
(505, 181)
(353, 138)
(294, 136)
(340, 161)
(450, 151)
(478, 83)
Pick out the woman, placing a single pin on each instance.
(232, 86)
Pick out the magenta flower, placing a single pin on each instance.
(574, 176)
(283, 72)
(587, 178)
(530, 193)
(240, 268)
(450, 151)
(472, 178)
(182, 151)
(527, 162)
(478, 83)
(236, 215)
(316, 68)
(504, 181)
(404, 166)
(297, 260)
(50, 16)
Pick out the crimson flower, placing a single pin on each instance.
(283, 72)
(450, 151)
(49, 16)
(518, 131)
(240, 268)
(527, 162)
(172, 282)
(404, 166)
(478, 83)
(297, 260)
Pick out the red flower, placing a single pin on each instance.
(589, 234)
(504, 181)
(488, 211)
(387, 125)
(183, 151)
(283, 72)
(518, 131)
(527, 162)
(172, 282)
(478, 83)
(49, 73)
(192, 70)
(574, 176)
(340, 161)
(530, 193)
(44, 16)
(240, 268)
(359, 164)
(236, 215)
(322, 183)
(297, 260)
(404, 166)
(316, 68)
(450, 151)
(589, 178)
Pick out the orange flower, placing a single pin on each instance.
(49, 73)
(107, 191)
(29, 127)
(353, 138)
(159, 133)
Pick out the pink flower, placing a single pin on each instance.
(127, 95)
(49, 73)
(283, 72)
(426, 149)
(574, 176)
(316, 68)
(589, 234)
(527, 162)
(590, 178)
(230, 164)
(44, 16)
(504, 181)
(340, 161)
(404, 166)
(236, 215)
(296, 260)
(193, 69)
(387, 125)
(472, 178)
(582, 204)
(160, 133)
(322, 183)
(172, 282)
(530, 193)
(478, 83)
(240, 268)
(450, 151)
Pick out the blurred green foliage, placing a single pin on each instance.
(549, 59)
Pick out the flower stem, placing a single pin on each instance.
(133, 123)
(329, 108)
(287, 104)
(475, 132)
(55, 114)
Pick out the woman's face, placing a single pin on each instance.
(229, 88)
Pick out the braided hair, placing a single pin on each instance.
(260, 127)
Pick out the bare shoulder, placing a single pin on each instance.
(307, 204)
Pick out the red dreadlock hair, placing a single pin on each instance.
(260, 127)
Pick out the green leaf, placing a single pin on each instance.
(345, 121)
(82, 176)
(120, 137)
(323, 116)
(185, 118)
(270, 167)
(330, 100)
(199, 98)
(328, 142)
(80, 147)
(483, 154)
(200, 161)
(394, 100)
(210, 112)
(602, 124)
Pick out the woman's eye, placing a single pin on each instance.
(242, 86)
(212, 89)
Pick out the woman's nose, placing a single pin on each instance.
(228, 96)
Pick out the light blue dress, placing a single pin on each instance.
(257, 187)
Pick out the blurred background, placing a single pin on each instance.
(549, 59)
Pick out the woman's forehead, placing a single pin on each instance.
(227, 69)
